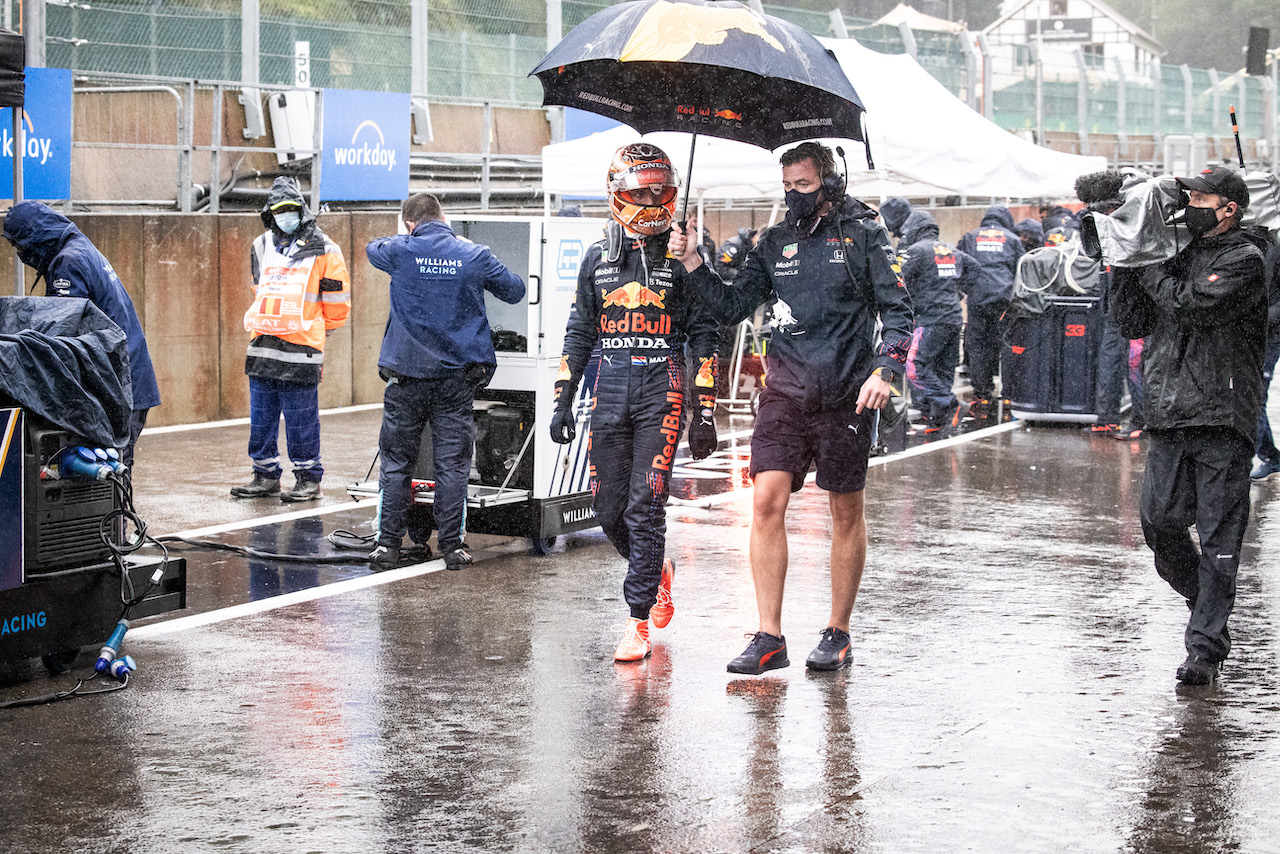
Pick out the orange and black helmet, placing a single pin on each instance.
(642, 188)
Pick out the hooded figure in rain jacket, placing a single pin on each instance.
(997, 248)
(302, 292)
(72, 266)
(934, 272)
(894, 214)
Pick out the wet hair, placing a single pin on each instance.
(821, 156)
(421, 207)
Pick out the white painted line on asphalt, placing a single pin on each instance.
(284, 600)
(240, 422)
(267, 520)
(947, 443)
(985, 432)
(338, 588)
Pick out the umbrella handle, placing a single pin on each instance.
(866, 140)
(688, 178)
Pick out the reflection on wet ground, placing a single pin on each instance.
(1011, 689)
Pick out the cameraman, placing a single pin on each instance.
(1203, 314)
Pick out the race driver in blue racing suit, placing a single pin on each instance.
(633, 301)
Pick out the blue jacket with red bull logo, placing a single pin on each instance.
(822, 348)
(438, 322)
(935, 272)
(997, 247)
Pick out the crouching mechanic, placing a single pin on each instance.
(72, 266)
(831, 269)
(436, 352)
(634, 300)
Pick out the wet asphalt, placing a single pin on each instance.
(1012, 686)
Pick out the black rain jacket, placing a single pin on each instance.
(997, 248)
(1203, 314)
(822, 346)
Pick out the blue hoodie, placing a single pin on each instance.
(934, 271)
(997, 248)
(73, 267)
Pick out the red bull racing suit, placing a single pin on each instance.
(641, 315)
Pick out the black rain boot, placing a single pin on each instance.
(304, 489)
(261, 485)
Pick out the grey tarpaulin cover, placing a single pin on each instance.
(1053, 271)
(64, 360)
(13, 63)
(1138, 233)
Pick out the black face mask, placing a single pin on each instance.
(1201, 221)
(802, 205)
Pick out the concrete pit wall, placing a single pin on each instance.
(188, 277)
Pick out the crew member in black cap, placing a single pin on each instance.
(1203, 314)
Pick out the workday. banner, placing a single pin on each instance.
(46, 120)
(365, 147)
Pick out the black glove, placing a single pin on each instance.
(702, 428)
(563, 429)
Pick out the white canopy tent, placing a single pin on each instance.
(924, 140)
(916, 20)
(722, 168)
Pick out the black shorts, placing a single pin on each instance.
(786, 438)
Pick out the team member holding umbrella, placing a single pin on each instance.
(633, 300)
(829, 266)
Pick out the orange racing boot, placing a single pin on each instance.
(664, 609)
(635, 643)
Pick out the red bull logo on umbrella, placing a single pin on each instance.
(670, 31)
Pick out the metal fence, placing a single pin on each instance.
(483, 50)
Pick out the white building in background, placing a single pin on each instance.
(1062, 27)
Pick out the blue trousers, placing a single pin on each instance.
(636, 423)
(409, 406)
(983, 341)
(935, 371)
(300, 405)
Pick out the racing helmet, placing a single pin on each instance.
(642, 189)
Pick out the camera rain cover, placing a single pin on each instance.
(1140, 232)
(1264, 201)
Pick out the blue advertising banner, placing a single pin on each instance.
(46, 168)
(10, 498)
(365, 148)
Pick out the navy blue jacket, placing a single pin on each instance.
(438, 322)
(935, 272)
(997, 248)
(73, 267)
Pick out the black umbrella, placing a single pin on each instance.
(703, 66)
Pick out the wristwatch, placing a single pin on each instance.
(885, 374)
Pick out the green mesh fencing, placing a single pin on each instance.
(141, 38)
(484, 50)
